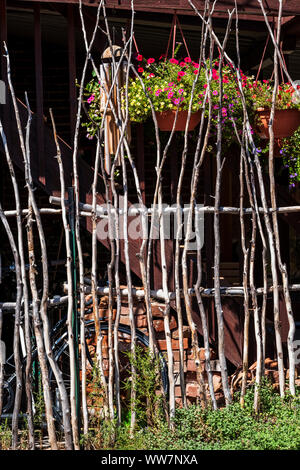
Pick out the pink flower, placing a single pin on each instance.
(157, 93)
(181, 73)
(91, 98)
(173, 61)
(140, 69)
(205, 85)
(151, 75)
(215, 92)
(170, 94)
(187, 60)
(150, 61)
(196, 65)
(171, 83)
(180, 91)
(139, 57)
(176, 101)
(225, 97)
(182, 64)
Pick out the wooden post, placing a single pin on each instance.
(39, 94)
(140, 164)
(4, 109)
(72, 69)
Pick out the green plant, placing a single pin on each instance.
(39, 403)
(5, 436)
(232, 428)
(92, 106)
(290, 152)
(149, 399)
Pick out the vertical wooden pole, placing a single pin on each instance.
(140, 164)
(4, 108)
(208, 242)
(3, 37)
(75, 326)
(72, 69)
(39, 93)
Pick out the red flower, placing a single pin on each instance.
(196, 65)
(150, 61)
(139, 57)
(182, 64)
(187, 60)
(181, 73)
(140, 69)
(174, 61)
(215, 75)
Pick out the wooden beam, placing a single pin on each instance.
(248, 9)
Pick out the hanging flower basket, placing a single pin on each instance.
(165, 120)
(286, 121)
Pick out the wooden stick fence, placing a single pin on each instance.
(36, 304)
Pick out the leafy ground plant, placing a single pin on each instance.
(276, 427)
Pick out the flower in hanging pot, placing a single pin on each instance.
(168, 83)
(287, 109)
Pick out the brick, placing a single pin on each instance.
(137, 310)
(192, 390)
(104, 313)
(191, 377)
(162, 344)
(177, 356)
(177, 367)
(159, 324)
(186, 333)
(213, 355)
(156, 309)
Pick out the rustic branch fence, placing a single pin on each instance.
(34, 307)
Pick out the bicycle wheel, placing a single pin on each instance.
(62, 356)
